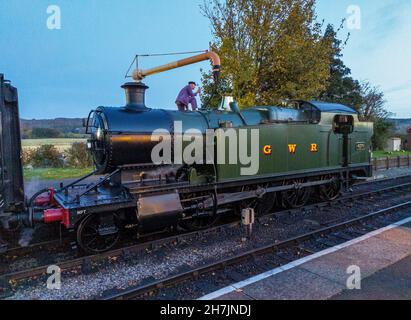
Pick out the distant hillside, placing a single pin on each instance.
(52, 128)
(64, 125)
(400, 125)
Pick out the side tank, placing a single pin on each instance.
(11, 169)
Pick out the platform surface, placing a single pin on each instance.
(383, 258)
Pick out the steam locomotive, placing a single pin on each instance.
(309, 149)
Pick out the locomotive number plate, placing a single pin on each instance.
(360, 146)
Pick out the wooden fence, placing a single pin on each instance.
(391, 162)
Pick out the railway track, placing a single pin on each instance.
(293, 243)
(65, 242)
(85, 263)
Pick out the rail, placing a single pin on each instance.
(194, 274)
(86, 261)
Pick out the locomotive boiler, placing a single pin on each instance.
(302, 150)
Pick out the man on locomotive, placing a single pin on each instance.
(187, 96)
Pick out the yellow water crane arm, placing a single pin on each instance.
(139, 75)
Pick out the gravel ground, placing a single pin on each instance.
(122, 273)
(391, 173)
(211, 282)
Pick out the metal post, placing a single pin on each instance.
(247, 220)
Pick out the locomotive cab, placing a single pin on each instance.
(343, 124)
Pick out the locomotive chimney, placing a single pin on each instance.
(135, 95)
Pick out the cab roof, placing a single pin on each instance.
(332, 107)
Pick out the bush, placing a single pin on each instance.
(27, 156)
(26, 134)
(381, 134)
(78, 156)
(47, 156)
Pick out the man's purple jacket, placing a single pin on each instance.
(187, 96)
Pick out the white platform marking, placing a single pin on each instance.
(265, 275)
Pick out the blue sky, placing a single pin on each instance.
(67, 72)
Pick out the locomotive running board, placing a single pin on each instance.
(228, 198)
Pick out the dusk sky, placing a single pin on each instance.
(67, 72)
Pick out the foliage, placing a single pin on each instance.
(367, 99)
(27, 156)
(49, 133)
(46, 156)
(273, 50)
(40, 133)
(212, 93)
(26, 134)
(78, 156)
(373, 103)
(381, 133)
(373, 109)
(48, 162)
(270, 50)
(342, 88)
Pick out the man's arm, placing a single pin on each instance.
(191, 93)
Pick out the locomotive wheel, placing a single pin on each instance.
(98, 233)
(261, 205)
(330, 191)
(204, 220)
(295, 198)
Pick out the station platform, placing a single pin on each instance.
(382, 257)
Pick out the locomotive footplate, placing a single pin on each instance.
(76, 201)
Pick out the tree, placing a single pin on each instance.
(212, 92)
(47, 156)
(41, 133)
(78, 156)
(373, 109)
(368, 100)
(270, 50)
(342, 88)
